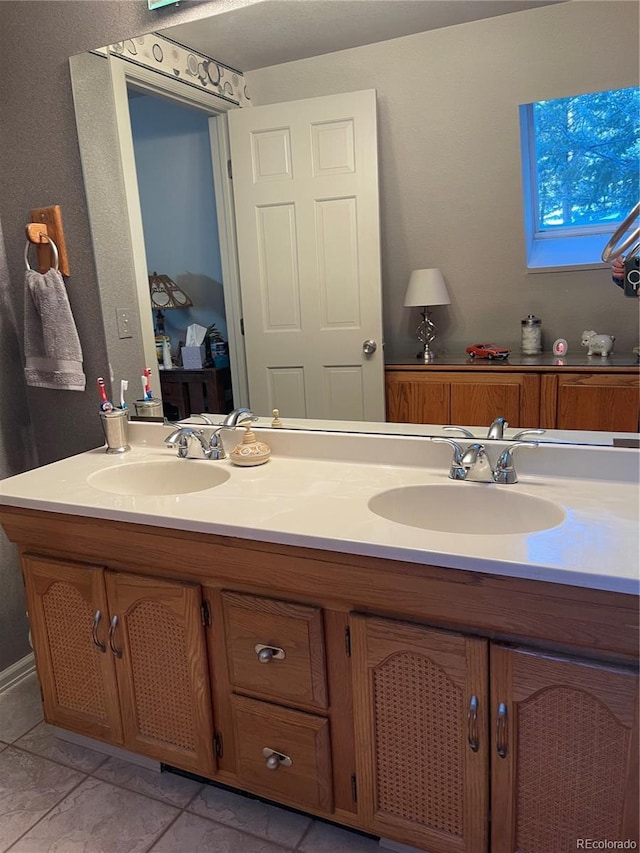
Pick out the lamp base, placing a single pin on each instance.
(426, 355)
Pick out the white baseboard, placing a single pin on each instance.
(16, 672)
(107, 749)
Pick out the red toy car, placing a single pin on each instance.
(487, 351)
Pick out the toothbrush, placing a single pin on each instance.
(105, 405)
(124, 384)
(146, 387)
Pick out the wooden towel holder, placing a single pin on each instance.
(47, 222)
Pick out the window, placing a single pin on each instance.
(581, 158)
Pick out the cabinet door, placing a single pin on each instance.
(417, 398)
(597, 401)
(478, 398)
(69, 622)
(420, 700)
(565, 763)
(157, 637)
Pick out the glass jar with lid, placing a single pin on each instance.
(531, 335)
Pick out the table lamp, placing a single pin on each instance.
(165, 293)
(426, 288)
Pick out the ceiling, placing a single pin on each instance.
(270, 32)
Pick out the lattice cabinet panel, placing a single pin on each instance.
(563, 767)
(69, 619)
(159, 643)
(420, 699)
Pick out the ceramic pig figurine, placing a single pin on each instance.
(597, 344)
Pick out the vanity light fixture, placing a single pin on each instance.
(165, 293)
(426, 288)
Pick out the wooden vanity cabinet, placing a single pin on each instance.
(122, 658)
(420, 702)
(547, 397)
(564, 760)
(465, 398)
(558, 738)
(69, 619)
(452, 711)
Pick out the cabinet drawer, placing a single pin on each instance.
(302, 771)
(290, 636)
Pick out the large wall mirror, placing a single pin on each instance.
(448, 76)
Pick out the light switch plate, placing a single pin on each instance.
(123, 319)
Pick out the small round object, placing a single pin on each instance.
(265, 655)
(272, 762)
(158, 55)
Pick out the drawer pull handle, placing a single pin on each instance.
(501, 730)
(472, 724)
(112, 632)
(274, 759)
(94, 632)
(268, 653)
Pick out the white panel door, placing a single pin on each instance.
(305, 179)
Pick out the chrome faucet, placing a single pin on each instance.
(472, 463)
(185, 436)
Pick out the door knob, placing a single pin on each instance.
(369, 347)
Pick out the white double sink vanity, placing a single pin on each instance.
(321, 628)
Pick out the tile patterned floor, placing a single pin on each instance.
(56, 797)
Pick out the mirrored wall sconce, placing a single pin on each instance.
(426, 288)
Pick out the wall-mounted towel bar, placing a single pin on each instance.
(46, 232)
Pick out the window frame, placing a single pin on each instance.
(567, 248)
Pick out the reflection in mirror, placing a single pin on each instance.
(447, 102)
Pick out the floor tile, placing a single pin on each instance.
(325, 838)
(258, 818)
(42, 741)
(99, 818)
(29, 787)
(168, 787)
(197, 835)
(20, 709)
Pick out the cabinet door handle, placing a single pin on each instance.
(274, 759)
(112, 632)
(268, 653)
(501, 730)
(472, 724)
(94, 632)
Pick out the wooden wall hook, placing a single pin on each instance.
(48, 221)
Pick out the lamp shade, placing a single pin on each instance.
(165, 293)
(426, 287)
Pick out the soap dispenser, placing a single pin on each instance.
(251, 451)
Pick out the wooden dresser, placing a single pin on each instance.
(574, 393)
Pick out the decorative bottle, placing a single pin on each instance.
(531, 335)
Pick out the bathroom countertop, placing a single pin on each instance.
(545, 361)
(315, 489)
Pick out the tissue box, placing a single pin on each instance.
(193, 357)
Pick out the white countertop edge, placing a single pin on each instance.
(443, 559)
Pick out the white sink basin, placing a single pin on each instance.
(478, 508)
(166, 477)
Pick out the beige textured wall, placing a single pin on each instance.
(450, 179)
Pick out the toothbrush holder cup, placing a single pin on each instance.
(115, 425)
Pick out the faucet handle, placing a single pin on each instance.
(524, 432)
(505, 472)
(465, 432)
(457, 472)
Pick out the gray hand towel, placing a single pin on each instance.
(51, 344)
